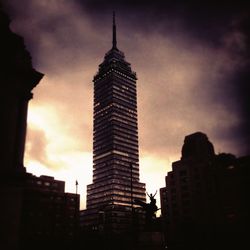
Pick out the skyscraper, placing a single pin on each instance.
(115, 148)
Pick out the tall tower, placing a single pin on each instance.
(110, 198)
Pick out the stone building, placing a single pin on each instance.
(205, 204)
(34, 211)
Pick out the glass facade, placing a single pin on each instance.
(115, 136)
(115, 140)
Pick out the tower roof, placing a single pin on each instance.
(197, 146)
(114, 59)
(114, 42)
(114, 52)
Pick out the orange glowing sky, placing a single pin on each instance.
(181, 88)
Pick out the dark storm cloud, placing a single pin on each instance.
(205, 19)
(206, 44)
(56, 33)
(219, 25)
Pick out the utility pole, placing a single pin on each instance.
(76, 219)
(131, 186)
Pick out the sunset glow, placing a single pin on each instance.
(184, 85)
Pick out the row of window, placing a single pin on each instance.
(116, 193)
(124, 108)
(130, 144)
(124, 178)
(101, 129)
(122, 88)
(99, 90)
(103, 93)
(113, 167)
(115, 183)
(117, 133)
(119, 174)
(125, 96)
(129, 105)
(106, 115)
(103, 148)
(132, 124)
(131, 102)
(98, 78)
(125, 88)
(121, 76)
(116, 164)
(125, 116)
(110, 198)
(107, 156)
(129, 151)
(131, 134)
(111, 152)
(103, 109)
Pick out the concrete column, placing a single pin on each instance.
(21, 130)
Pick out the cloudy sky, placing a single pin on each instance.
(191, 59)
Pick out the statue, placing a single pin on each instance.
(152, 197)
(150, 209)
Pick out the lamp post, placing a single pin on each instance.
(131, 186)
(76, 186)
(76, 219)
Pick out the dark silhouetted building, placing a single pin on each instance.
(18, 78)
(163, 200)
(49, 215)
(205, 202)
(35, 211)
(116, 157)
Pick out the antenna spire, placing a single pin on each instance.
(114, 43)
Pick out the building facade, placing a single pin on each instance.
(204, 203)
(110, 198)
(49, 216)
(35, 212)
